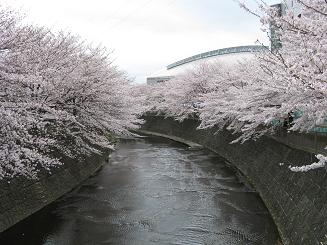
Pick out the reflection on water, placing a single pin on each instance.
(154, 191)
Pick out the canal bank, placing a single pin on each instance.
(21, 197)
(296, 201)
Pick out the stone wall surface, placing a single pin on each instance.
(22, 197)
(296, 201)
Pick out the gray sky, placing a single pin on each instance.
(147, 35)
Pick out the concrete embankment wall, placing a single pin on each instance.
(22, 197)
(296, 201)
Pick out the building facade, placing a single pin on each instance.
(293, 6)
(283, 8)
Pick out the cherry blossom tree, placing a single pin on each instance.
(150, 98)
(59, 96)
(181, 96)
(284, 81)
(295, 74)
(255, 97)
(184, 99)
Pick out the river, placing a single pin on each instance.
(153, 191)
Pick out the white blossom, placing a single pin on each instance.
(305, 168)
(59, 98)
(255, 98)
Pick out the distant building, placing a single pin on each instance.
(283, 8)
(275, 42)
(293, 6)
(157, 79)
(226, 55)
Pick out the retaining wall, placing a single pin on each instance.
(23, 197)
(296, 201)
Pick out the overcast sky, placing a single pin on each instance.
(147, 35)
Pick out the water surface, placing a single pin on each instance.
(153, 191)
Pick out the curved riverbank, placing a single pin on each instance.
(296, 201)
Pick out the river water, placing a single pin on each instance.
(153, 191)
